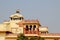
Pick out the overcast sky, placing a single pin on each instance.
(46, 11)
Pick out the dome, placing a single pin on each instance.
(17, 14)
(43, 29)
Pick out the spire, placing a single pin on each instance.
(17, 11)
(16, 14)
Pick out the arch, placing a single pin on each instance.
(21, 18)
(27, 27)
(34, 27)
(30, 27)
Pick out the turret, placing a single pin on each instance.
(43, 30)
(16, 17)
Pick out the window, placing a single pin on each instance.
(15, 18)
(34, 27)
(21, 18)
(11, 18)
(27, 27)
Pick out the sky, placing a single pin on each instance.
(46, 11)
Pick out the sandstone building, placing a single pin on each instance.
(9, 30)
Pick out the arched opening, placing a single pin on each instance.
(15, 18)
(11, 18)
(21, 18)
(27, 27)
(30, 27)
(34, 27)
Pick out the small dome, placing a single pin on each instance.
(17, 14)
(43, 29)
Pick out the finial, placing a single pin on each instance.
(17, 11)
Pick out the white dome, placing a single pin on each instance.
(43, 29)
(17, 14)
